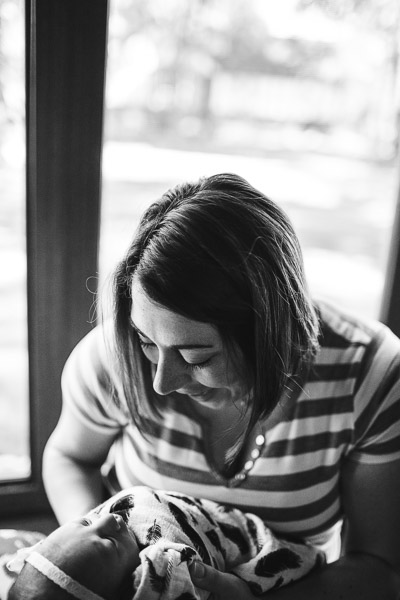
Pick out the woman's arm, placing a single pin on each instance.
(350, 578)
(370, 567)
(71, 467)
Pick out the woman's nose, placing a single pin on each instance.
(170, 375)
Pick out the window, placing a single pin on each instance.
(14, 407)
(65, 55)
(305, 108)
(173, 115)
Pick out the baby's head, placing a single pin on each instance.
(91, 560)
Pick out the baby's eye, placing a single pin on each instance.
(85, 521)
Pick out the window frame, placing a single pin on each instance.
(65, 74)
(66, 45)
(390, 303)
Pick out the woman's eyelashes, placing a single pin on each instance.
(198, 365)
(145, 344)
(150, 348)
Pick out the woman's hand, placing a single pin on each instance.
(223, 586)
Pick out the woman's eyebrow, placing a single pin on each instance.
(174, 346)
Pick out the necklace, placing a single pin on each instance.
(249, 464)
(256, 452)
(241, 475)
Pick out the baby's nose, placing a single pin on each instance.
(109, 522)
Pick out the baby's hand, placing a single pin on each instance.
(223, 586)
(128, 539)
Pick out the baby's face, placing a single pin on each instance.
(101, 554)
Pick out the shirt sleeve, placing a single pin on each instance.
(87, 383)
(377, 402)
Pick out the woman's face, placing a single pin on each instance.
(189, 356)
(100, 553)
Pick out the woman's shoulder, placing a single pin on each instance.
(341, 328)
(93, 357)
(90, 385)
(97, 342)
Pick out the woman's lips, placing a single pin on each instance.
(199, 395)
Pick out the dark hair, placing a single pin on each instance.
(221, 252)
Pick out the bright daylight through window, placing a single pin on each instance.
(305, 108)
(14, 403)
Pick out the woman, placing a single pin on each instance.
(220, 378)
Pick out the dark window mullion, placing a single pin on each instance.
(66, 49)
(390, 309)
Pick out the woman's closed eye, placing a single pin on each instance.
(146, 344)
(151, 352)
(197, 365)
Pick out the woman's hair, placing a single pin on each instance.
(221, 252)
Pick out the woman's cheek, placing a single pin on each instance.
(213, 377)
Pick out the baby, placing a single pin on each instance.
(140, 543)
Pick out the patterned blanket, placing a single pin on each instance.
(173, 529)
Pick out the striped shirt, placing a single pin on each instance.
(347, 407)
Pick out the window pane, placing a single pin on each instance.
(304, 108)
(14, 404)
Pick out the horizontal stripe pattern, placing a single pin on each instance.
(347, 406)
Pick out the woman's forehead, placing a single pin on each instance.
(158, 323)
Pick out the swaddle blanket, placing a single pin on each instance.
(172, 530)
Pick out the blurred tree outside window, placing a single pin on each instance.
(300, 97)
(14, 403)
